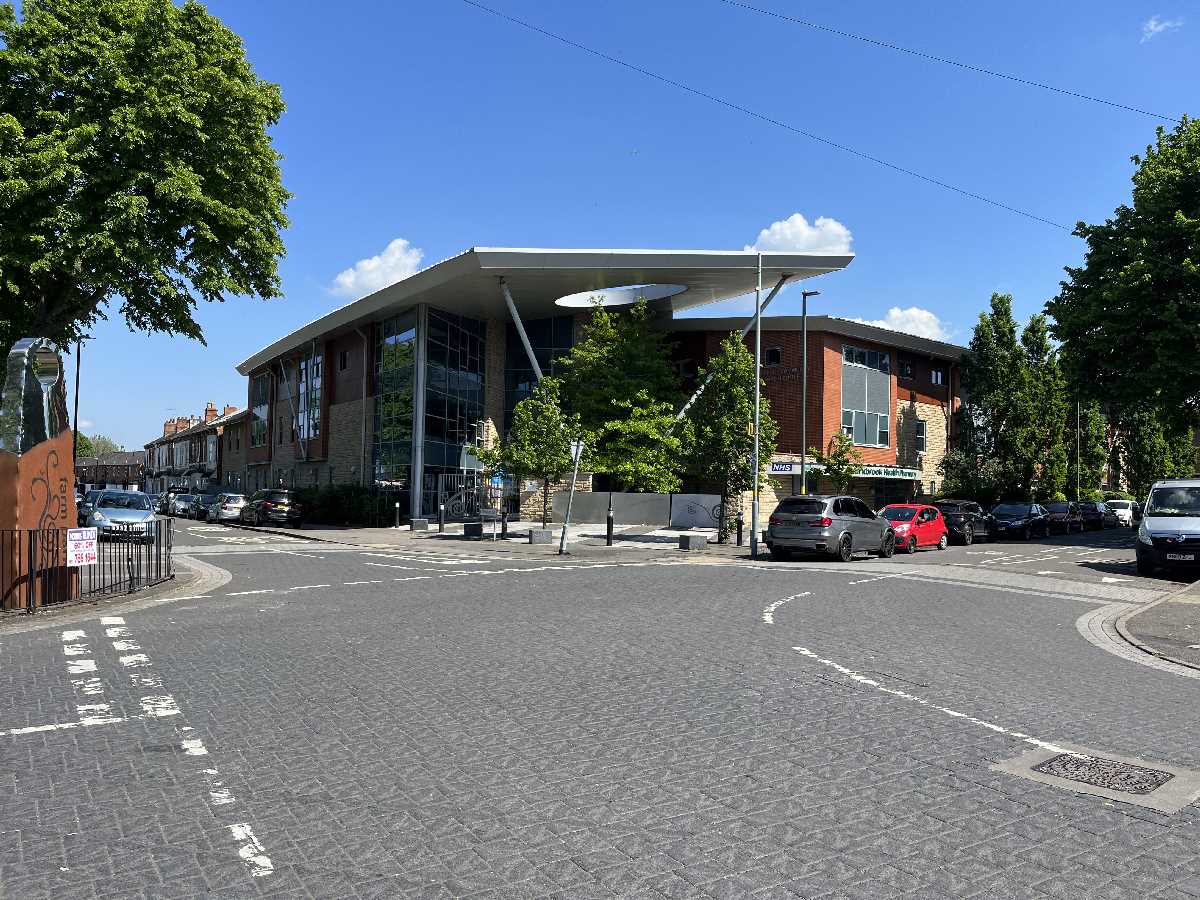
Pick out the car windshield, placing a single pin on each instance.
(279, 497)
(801, 507)
(949, 507)
(234, 498)
(1120, 504)
(1011, 509)
(1174, 501)
(1058, 507)
(898, 513)
(124, 501)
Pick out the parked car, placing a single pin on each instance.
(1064, 517)
(200, 504)
(1023, 520)
(123, 515)
(275, 505)
(966, 521)
(181, 505)
(1169, 534)
(227, 508)
(1097, 515)
(84, 507)
(917, 525)
(1123, 510)
(839, 526)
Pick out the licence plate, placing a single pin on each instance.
(1182, 557)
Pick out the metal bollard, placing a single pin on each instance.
(504, 525)
(608, 526)
(397, 515)
(441, 518)
(739, 529)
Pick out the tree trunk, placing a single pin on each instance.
(723, 525)
(545, 501)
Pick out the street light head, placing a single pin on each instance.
(811, 293)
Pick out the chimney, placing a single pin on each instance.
(168, 427)
(210, 412)
(193, 420)
(229, 410)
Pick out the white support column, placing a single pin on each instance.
(512, 311)
(417, 483)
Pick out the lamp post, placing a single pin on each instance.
(757, 379)
(804, 295)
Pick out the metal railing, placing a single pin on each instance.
(34, 570)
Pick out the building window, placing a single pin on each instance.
(395, 355)
(260, 390)
(921, 436)
(937, 375)
(866, 396)
(904, 368)
(551, 339)
(308, 407)
(343, 360)
(772, 356)
(455, 350)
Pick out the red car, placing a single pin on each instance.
(916, 525)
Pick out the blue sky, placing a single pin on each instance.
(443, 127)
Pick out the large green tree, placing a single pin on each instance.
(104, 444)
(1129, 317)
(839, 461)
(722, 454)
(1148, 448)
(539, 443)
(1093, 448)
(83, 445)
(135, 167)
(619, 381)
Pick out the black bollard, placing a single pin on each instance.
(441, 518)
(739, 529)
(609, 524)
(504, 525)
(397, 515)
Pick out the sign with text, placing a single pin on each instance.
(81, 547)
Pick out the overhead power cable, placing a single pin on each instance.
(763, 117)
(946, 61)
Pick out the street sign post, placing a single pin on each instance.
(576, 455)
(82, 547)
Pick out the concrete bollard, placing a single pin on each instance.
(541, 536)
(419, 525)
(693, 541)
(473, 529)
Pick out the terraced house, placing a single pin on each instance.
(395, 389)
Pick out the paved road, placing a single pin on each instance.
(331, 721)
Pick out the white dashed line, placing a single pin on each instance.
(111, 620)
(157, 707)
(251, 851)
(125, 646)
(349, 583)
(248, 593)
(73, 635)
(768, 614)
(307, 587)
(194, 747)
(81, 666)
(117, 631)
(75, 650)
(135, 660)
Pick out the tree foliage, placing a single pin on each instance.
(103, 444)
(1093, 448)
(1129, 317)
(135, 167)
(1148, 448)
(722, 452)
(539, 443)
(642, 446)
(840, 460)
(83, 445)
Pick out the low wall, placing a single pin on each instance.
(678, 510)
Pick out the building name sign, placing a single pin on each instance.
(889, 472)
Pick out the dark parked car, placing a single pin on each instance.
(200, 504)
(1023, 520)
(966, 521)
(1064, 517)
(276, 506)
(1097, 515)
(839, 526)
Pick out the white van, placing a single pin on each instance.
(1169, 536)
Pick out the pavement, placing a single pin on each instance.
(445, 718)
(1169, 628)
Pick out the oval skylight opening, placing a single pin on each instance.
(620, 296)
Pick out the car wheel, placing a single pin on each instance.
(911, 545)
(779, 554)
(1026, 533)
(943, 541)
(888, 549)
(968, 537)
(845, 548)
(1144, 566)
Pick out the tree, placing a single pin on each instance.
(104, 444)
(722, 419)
(840, 461)
(1129, 317)
(135, 167)
(539, 443)
(1093, 448)
(642, 447)
(83, 445)
(1147, 448)
(619, 370)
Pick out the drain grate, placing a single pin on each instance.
(1105, 773)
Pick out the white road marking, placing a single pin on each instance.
(220, 796)
(194, 747)
(307, 587)
(81, 666)
(1107, 580)
(768, 614)
(879, 578)
(139, 680)
(349, 583)
(117, 631)
(391, 566)
(63, 726)
(76, 650)
(171, 599)
(297, 553)
(126, 645)
(248, 593)
(134, 660)
(1049, 572)
(111, 620)
(251, 851)
(953, 713)
(160, 706)
(74, 635)
(89, 687)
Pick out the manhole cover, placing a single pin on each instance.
(1105, 773)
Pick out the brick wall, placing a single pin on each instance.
(345, 435)
(908, 412)
(493, 379)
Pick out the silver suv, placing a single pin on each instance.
(840, 526)
(1169, 535)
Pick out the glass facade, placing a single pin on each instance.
(260, 389)
(454, 368)
(308, 406)
(550, 339)
(395, 370)
(866, 396)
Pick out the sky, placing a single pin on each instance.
(416, 130)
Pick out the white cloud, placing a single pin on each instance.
(913, 320)
(1156, 25)
(795, 234)
(85, 424)
(398, 261)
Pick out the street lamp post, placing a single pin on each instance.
(804, 295)
(757, 379)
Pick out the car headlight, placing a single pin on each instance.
(98, 516)
(901, 528)
(1144, 535)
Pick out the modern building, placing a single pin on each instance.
(121, 470)
(393, 389)
(893, 394)
(188, 453)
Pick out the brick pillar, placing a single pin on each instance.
(493, 379)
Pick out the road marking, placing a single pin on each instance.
(75, 650)
(117, 631)
(879, 578)
(139, 680)
(171, 599)
(126, 645)
(73, 635)
(251, 851)
(349, 583)
(135, 660)
(1107, 580)
(62, 726)
(768, 614)
(297, 553)
(89, 687)
(248, 593)
(307, 587)
(953, 713)
(160, 706)
(81, 666)
(111, 620)
(391, 566)
(194, 747)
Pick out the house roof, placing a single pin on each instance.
(116, 458)
(199, 427)
(468, 284)
(831, 324)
